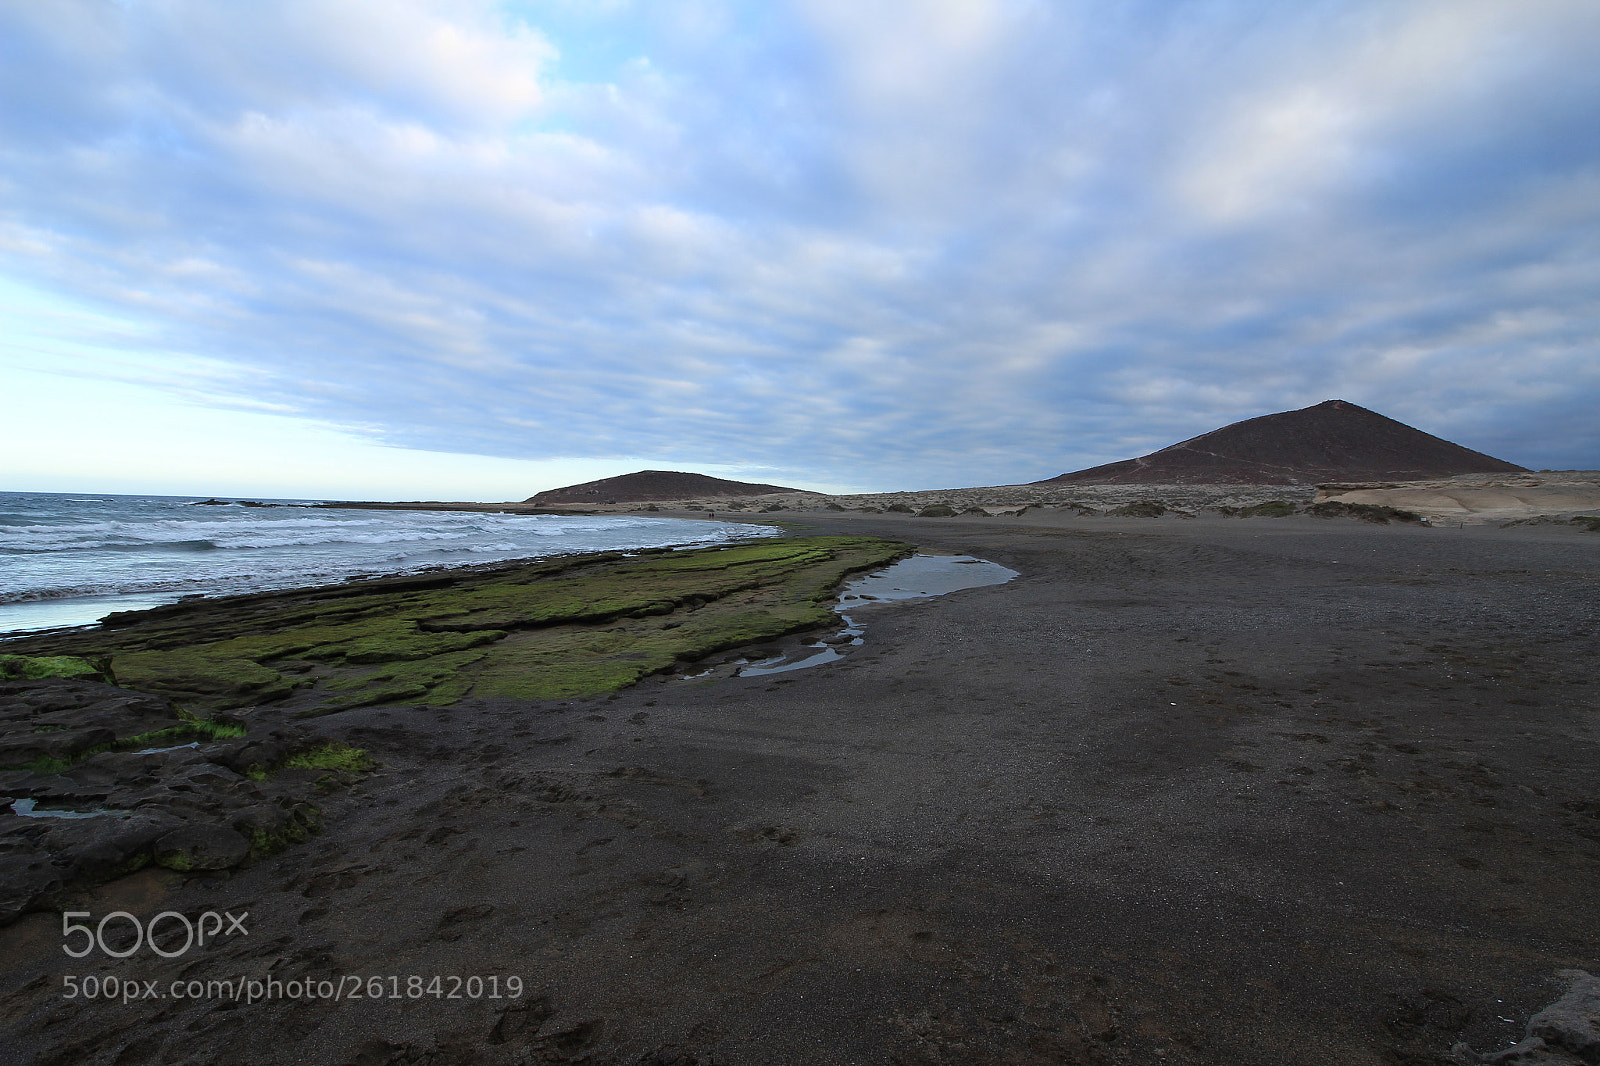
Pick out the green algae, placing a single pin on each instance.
(204, 730)
(394, 684)
(718, 600)
(234, 672)
(553, 629)
(529, 679)
(209, 672)
(331, 755)
(132, 864)
(289, 825)
(407, 647)
(268, 842)
(35, 667)
(176, 861)
(304, 822)
(647, 587)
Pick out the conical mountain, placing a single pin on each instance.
(1333, 441)
(644, 485)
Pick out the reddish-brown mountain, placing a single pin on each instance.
(1333, 441)
(645, 485)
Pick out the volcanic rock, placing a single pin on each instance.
(1566, 1033)
(176, 792)
(647, 485)
(1333, 441)
(201, 847)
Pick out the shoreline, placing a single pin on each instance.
(108, 602)
(438, 505)
(1198, 791)
(535, 617)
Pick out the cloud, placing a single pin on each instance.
(879, 243)
(1381, 94)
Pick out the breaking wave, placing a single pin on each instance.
(59, 550)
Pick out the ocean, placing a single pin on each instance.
(69, 559)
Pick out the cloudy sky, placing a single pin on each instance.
(464, 249)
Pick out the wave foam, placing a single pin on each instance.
(155, 548)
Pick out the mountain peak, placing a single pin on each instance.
(646, 485)
(1334, 440)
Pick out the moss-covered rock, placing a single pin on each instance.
(269, 828)
(56, 750)
(546, 630)
(35, 667)
(201, 846)
(204, 672)
(330, 755)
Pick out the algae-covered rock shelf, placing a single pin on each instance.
(550, 629)
(101, 781)
(117, 748)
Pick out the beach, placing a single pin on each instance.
(1206, 790)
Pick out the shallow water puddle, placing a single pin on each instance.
(26, 808)
(781, 663)
(918, 577)
(158, 751)
(921, 576)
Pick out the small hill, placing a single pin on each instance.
(647, 485)
(1333, 441)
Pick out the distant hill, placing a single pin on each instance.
(1333, 441)
(646, 485)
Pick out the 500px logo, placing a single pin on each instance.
(174, 926)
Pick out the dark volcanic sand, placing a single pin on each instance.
(1220, 791)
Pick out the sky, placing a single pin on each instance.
(458, 249)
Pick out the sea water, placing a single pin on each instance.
(69, 559)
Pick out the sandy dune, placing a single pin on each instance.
(1469, 498)
(1482, 497)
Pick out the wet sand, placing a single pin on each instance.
(1203, 791)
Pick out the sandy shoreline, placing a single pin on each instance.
(1188, 791)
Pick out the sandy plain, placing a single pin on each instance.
(1198, 791)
